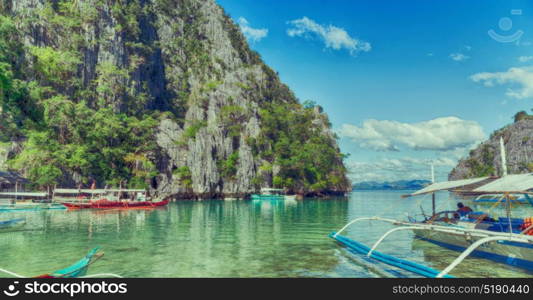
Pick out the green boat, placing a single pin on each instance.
(26, 201)
(13, 224)
(272, 194)
(78, 269)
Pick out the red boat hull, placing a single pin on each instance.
(106, 204)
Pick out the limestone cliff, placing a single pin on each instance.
(485, 160)
(224, 123)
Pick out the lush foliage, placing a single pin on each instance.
(484, 166)
(71, 130)
(522, 115)
(184, 176)
(228, 167)
(292, 140)
(16, 105)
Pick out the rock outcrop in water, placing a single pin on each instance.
(174, 80)
(485, 160)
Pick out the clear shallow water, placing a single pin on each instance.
(229, 239)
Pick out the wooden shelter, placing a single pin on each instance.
(12, 182)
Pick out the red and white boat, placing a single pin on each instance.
(106, 199)
(105, 204)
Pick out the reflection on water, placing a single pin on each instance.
(225, 239)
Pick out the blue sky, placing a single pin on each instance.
(403, 82)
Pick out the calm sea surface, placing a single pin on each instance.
(231, 239)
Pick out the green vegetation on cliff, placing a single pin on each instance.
(70, 129)
(290, 140)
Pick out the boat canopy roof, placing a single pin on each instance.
(96, 191)
(518, 183)
(447, 185)
(509, 183)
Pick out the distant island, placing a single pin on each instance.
(394, 185)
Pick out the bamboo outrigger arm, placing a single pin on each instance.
(383, 237)
(364, 219)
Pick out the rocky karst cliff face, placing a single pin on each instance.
(216, 121)
(485, 160)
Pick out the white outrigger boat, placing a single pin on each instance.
(26, 201)
(505, 240)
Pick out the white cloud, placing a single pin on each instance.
(333, 37)
(252, 34)
(441, 134)
(459, 56)
(521, 77)
(525, 58)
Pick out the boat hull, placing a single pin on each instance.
(511, 253)
(105, 204)
(12, 224)
(78, 269)
(273, 197)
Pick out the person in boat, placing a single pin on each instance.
(462, 211)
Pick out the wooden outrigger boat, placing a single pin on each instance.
(106, 204)
(504, 240)
(9, 225)
(106, 199)
(26, 201)
(77, 269)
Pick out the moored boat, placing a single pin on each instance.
(272, 194)
(505, 239)
(31, 207)
(26, 201)
(106, 204)
(106, 199)
(77, 269)
(12, 224)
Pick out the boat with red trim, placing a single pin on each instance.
(106, 199)
(107, 204)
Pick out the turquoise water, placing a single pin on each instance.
(229, 239)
